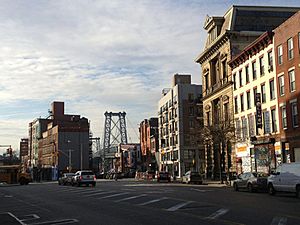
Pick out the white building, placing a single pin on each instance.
(180, 119)
(256, 122)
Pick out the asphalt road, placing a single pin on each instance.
(138, 202)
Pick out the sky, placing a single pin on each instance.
(97, 56)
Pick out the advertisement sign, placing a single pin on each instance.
(258, 111)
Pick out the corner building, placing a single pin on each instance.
(227, 36)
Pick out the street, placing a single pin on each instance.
(131, 202)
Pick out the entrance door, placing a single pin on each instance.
(297, 154)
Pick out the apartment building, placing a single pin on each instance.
(59, 143)
(287, 58)
(149, 143)
(227, 36)
(255, 104)
(180, 123)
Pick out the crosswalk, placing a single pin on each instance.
(142, 199)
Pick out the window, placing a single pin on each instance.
(226, 111)
(224, 68)
(206, 82)
(267, 122)
(280, 56)
(240, 78)
(270, 61)
(244, 128)
(273, 115)
(263, 93)
(281, 85)
(242, 102)
(272, 90)
(290, 48)
(292, 80)
(247, 74)
(191, 97)
(299, 42)
(251, 125)
(234, 81)
(283, 116)
(254, 95)
(294, 114)
(208, 118)
(191, 123)
(191, 111)
(238, 128)
(248, 100)
(261, 66)
(236, 105)
(254, 70)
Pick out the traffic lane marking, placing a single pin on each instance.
(58, 222)
(178, 206)
(16, 219)
(99, 193)
(114, 195)
(29, 217)
(153, 201)
(200, 190)
(132, 197)
(218, 213)
(279, 221)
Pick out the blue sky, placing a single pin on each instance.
(97, 56)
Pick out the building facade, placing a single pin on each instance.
(180, 122)
(287, 58)
(61, 142)
(255, 105)
(227, 36)
(149, 143)
(24, 147)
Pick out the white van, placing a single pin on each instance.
(285, 179)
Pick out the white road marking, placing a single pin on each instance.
(8, 196)
(129, 198)
(279, 221)
(98, 193)
(114, 195)
(30, 217)
(16, 218)
(217, 214)
(153, 201)
(83, 190)
(53, 222)
(178, 206)
(199, 190)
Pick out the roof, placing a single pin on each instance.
(249, 19)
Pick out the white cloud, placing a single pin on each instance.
(95, 56)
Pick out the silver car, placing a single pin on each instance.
(84, 177)
(251, 181)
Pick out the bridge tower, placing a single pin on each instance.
(115, 133)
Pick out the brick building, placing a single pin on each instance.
(149, 143)
(287, 58)
(59, 143)
(227, 36)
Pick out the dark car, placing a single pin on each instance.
(163, 176)
(66, 179)
(251, 181)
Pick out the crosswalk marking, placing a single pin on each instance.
(99, 193)
(178, 206)
(218, 213)
(279, 221)
(114, 195)
(153, 201)
(129, 198)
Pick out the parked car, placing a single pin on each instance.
(286, 178)
(163, 176)
(84, 177)
(251, 181)
(192, 177)
(66, 179)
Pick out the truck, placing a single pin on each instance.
(12, 174)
